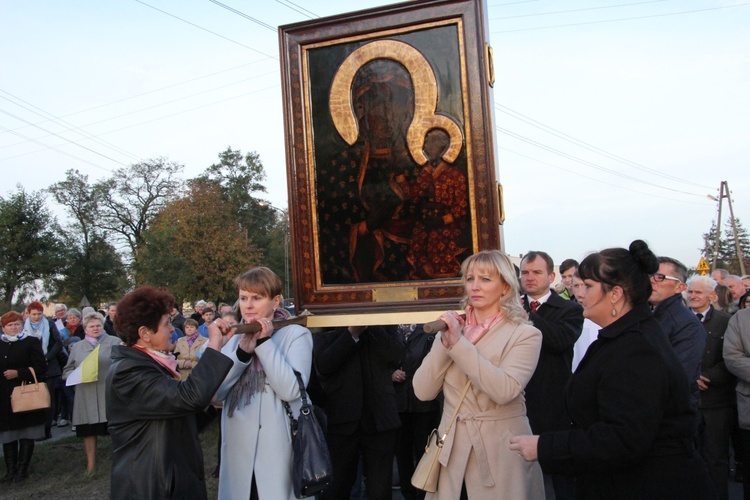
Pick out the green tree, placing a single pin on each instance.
(726, 257)
(94, 269)
(29, 243)
(133, 196)
(195, 247)
(240, 178)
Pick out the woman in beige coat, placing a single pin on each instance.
(186, 348)
(89, 406)
(497, 350)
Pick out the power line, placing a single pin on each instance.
(622, 19)
(578, 174)
(208, 30)
(578, 10)
(47, 146)
(299, 9)
(153, 91)
(590, 147)
(590, 164)
(165, 103)
(242, 14)
(69, 126)
(62, 137)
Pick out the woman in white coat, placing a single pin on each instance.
(256, 447)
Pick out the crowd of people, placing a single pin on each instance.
(630, 379)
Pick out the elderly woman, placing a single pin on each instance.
(256, 460)
(497, 350)
(73, 324)
(152, 414)
(89, 410)
(18, 353)
(36, 325)
(633, 430)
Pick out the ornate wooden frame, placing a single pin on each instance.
(441, 45)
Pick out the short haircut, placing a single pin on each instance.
(200, 303)
(35, 306)
(75, 312)
(144, 306)
(10, 317)
(260, 280)
(532, 255)
(191, 322)
(567, 264)
(111, 304)
(208, 310)
(94, 316)
(61, 307)
(706, 281)
(722, 272)
(679, 268)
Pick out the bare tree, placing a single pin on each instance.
(134, 195)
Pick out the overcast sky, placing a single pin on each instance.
(614, 119)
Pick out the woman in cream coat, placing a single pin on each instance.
(497, 350)
(256, 447)
(187, 348)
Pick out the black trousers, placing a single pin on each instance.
(377, 454)
(415, 427)
(713, 444)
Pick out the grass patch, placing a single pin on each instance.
(57, 469)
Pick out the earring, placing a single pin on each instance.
(614, 311)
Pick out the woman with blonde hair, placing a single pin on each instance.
(496, 350)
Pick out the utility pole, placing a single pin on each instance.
(724, 193)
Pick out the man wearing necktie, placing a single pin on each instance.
(717, 400)
(560, 322)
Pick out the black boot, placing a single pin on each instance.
(10, 451)
(24, 458)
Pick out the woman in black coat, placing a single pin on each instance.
(18, 353)
(151, 413)
(44, 329)
(633, 430)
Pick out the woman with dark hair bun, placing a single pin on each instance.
(151, 413)
(632, 433)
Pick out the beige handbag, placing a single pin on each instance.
(426, 473)
(30, 397)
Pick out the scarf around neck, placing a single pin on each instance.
(473, 330)
(253, 379)
(13, 338)
(39, 330)
(168, 361)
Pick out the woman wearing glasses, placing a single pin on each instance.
(632, 432)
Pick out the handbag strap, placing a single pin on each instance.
(33, 374)
(302, 390)
(455, 412)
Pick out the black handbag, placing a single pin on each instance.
(312, 470)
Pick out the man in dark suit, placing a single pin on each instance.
(354, 367)
(560, 322)
(684, 331)
(717, 402)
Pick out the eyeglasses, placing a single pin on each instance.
(659, 277)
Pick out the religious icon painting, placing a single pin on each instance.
(389, 155)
